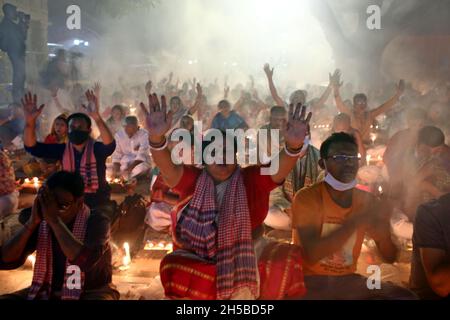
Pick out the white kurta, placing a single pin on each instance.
(132, 149)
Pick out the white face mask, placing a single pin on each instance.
(336, 184)
(306, 143)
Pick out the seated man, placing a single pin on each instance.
(430, 181)
(70, 241)
(215, 256)
(82, 153)
(132, 156)
(330, 220)
(430, 268)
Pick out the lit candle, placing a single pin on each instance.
(380, 190)
(32, 259)
(35, 180)
(108, 179)
(373, 137)
(368, 158)
(116, 180)
(127, 257)
(27, 180)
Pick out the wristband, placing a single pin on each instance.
(160, 146)
(293, 153)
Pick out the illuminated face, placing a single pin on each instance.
(61, 127)
(68, 205)
(131, 129)
(278, 121)
(175, 104)
(344, 170)
(360, 104)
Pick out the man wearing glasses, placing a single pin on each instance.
(330, 221)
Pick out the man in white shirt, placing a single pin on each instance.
(132, 156)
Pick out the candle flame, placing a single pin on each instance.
(27, 180)
(380, 189)
(127, 257)
(35, 180)
(32, 259)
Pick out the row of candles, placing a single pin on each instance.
(149, 246)
(35, 182)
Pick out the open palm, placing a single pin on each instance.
(30, 108)
(297, 127)
(158, 120)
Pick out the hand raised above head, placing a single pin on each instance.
(158, 120)
(297, 127)
(268, 70)
(30, 108)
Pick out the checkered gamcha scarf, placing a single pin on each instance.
(88, 166)
(43, 269)
(229, 242)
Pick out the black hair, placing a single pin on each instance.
(118, 107)
(431, 136)
(68, 181)
(131, 120)
(360, 96)
(336, 138)
(80, 115)
(277, 110)
(224, 103)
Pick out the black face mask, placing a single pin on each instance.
(78, 137)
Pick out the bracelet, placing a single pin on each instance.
(293, 153)
(160, 146)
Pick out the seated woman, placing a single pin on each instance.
(58, 134)
(115, 121)
(73, 255)
(216, 231)
(59, 131)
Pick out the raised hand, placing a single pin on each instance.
(335, 79)
(54, 93)
(97, 89)
(401, 87)
(158, 120)
(297, 127)
(199, 90)
(93, 107)
(226, 91)
(30, 108)
(268, 70)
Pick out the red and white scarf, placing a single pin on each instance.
(229, 242)
(43, 269)
(88, 166)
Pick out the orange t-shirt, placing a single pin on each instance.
(314, 206)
